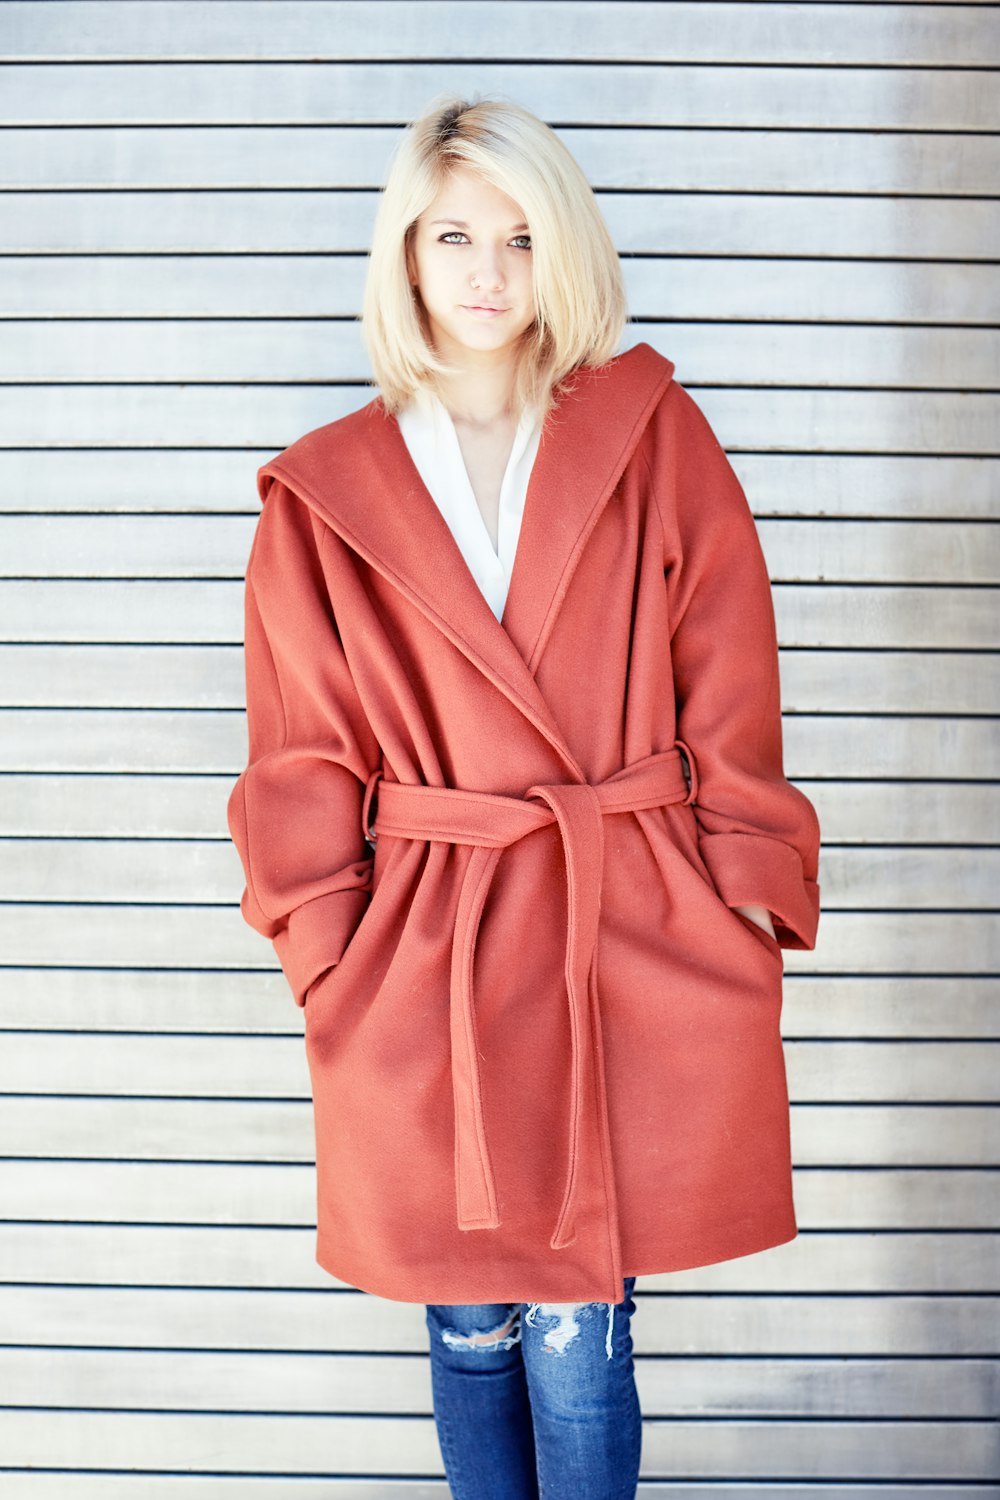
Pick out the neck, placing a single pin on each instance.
(480, 395)
(477, 403)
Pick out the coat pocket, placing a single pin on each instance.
(685, 824)
(348, 987)
(763, 936)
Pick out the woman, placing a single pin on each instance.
(514, 814)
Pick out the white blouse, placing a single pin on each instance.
(430, 436)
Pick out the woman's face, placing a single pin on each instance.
(471, 250)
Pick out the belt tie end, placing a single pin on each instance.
(491, 822)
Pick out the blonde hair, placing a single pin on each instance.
(580, 306)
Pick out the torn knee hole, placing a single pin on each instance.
(503, 1337)
(565, 1330)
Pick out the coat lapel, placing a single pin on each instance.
(586, 444)
(358, 474)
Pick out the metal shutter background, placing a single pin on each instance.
(805, 197)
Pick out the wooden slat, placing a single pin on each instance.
(196, 611)
(280, 1130)
(289, 283)
(912, 879)
(123, 676)
(726, 161)
(184, 482)
(36, 1485)
(194, 807)
(241, 1003)
(342, 1321)
(210, 547)
(358, 97)
(274, 1067)
(151, 352)
(234, 282)
(150, 806)
(136, 1380)
(106, 741)
(214, 743)
(70, 546)
(333, 97)
(878, 615)
(236, 416)
(155, 676)
(306, 1445)
(169, 1255)
(207, 612)
(934, 35)
(154, 936)
(144, 870)
(47, 479)
(111, 870)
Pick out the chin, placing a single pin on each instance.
(478, 336)
(484, 343)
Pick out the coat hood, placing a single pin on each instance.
(345, 469)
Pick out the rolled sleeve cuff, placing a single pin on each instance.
(752, 869)
(316, 936)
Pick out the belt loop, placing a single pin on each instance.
(370, 786)
(693, 771)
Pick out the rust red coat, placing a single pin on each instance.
(545, 1052)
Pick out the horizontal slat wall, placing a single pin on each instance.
(805, 197)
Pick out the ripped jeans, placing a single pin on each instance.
(536, 1401)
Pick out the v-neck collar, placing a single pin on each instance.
(435, 448)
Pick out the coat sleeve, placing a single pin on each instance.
(758, 835)
(295, 812)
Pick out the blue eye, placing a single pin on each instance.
(453, 235)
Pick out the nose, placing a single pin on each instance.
(488, 275)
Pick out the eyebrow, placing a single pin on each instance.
(461, 224)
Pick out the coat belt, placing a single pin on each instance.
(491, 822)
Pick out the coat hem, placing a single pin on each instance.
(653, 1264)
(336, 1263)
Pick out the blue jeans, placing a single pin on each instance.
(536, 1399)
